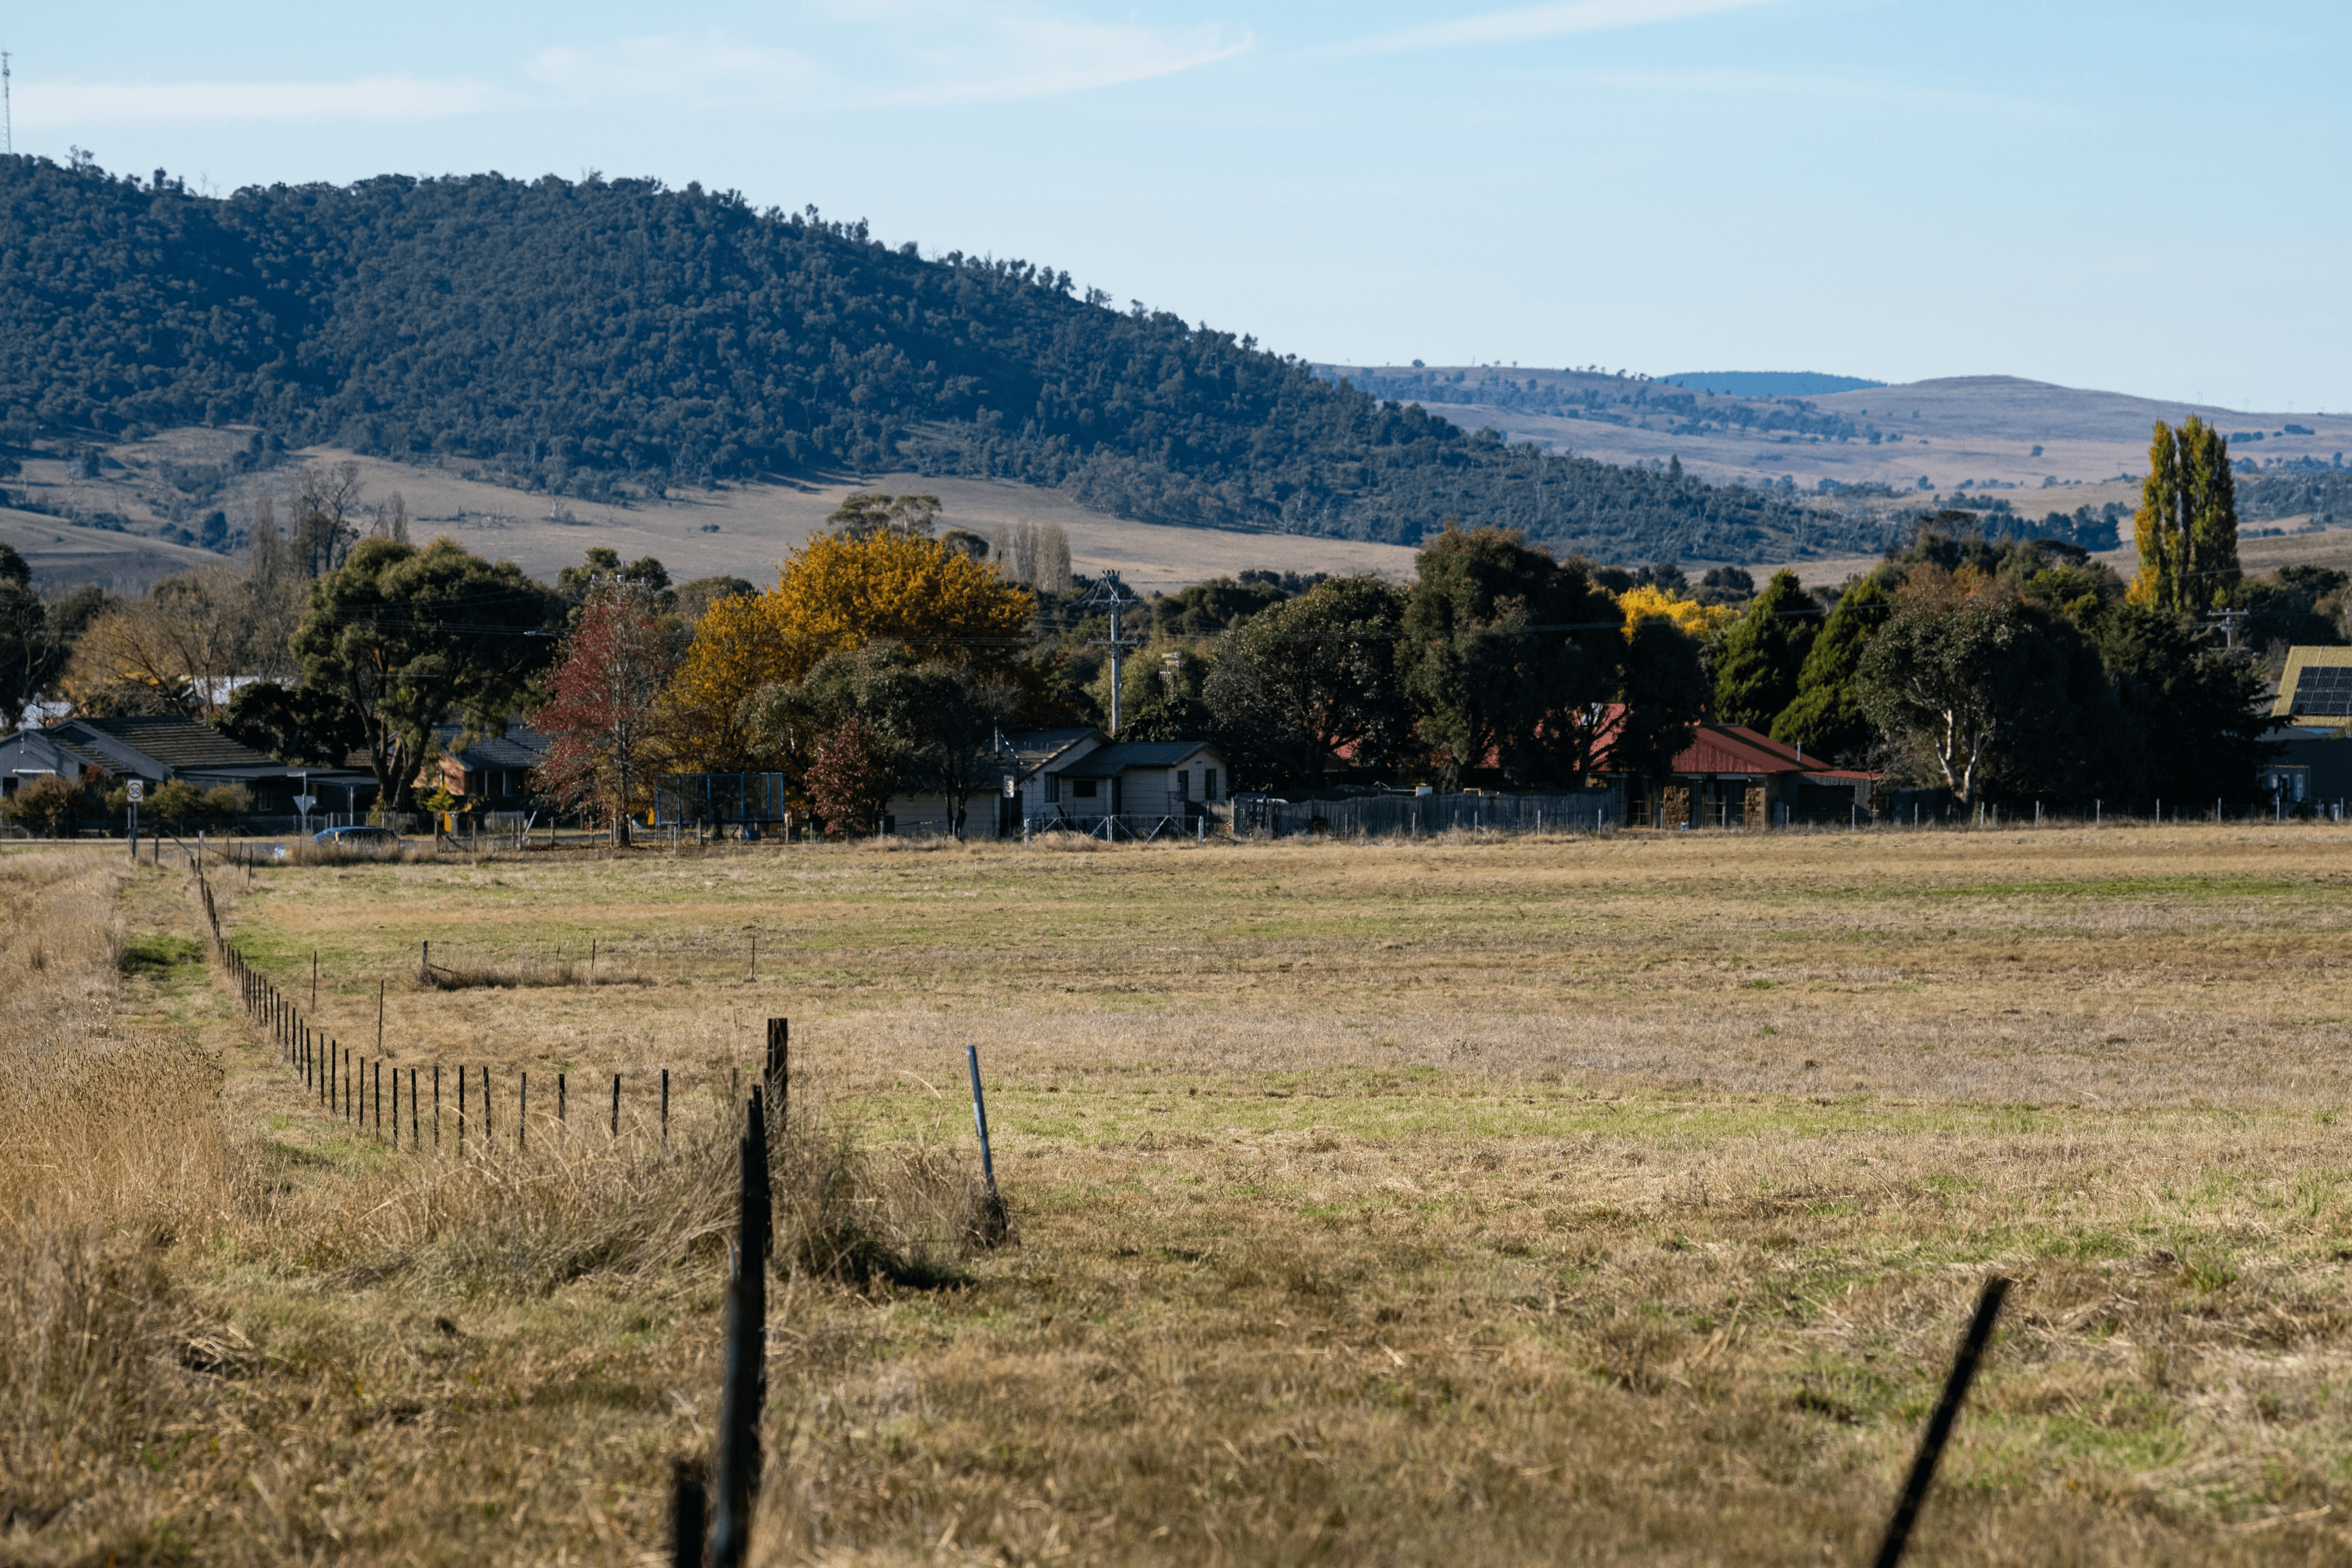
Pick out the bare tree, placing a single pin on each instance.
(325, 503)
(391, 520)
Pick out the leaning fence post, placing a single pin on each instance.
(616, 1105)
(461, 1110)
(486, 1105)
(522, 1114)
(745, 1387)
(1940, 1425)
(558, 1098)
(665, 1072)
(993, 1222)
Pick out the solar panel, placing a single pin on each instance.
(2323, 691)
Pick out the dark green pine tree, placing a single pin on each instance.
(1755, 674)
(1826, 718)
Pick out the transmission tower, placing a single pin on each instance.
(1110, 594)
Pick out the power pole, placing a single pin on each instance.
(7, 106)
(1111, 594)
(2228, 621)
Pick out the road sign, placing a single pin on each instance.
(303, 802)
(138, 791)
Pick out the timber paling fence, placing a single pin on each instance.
(704, 1537)
(1368, 816)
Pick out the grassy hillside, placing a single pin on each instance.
(617, 338)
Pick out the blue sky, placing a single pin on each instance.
(2144, 198)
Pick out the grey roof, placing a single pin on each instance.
(173, 745)
(520, 746)
(1119, 756)
(1034, 748)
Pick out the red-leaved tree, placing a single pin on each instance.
(852, 779)
(602, 711)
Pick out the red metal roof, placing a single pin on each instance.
(1737, 749)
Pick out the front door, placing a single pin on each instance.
(1118, 796)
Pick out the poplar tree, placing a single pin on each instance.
(2187, 525)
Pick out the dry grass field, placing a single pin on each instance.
(1485, 1200)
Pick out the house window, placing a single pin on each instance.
(1208, 783)
(1052, 786)
(1083, 788)
(1183, 785)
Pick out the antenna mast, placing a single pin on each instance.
(7, 107)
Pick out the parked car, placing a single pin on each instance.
(358, 837)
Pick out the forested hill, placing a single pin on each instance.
(592, 338)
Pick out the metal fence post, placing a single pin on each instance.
(744, 1389)
(1939, 1424)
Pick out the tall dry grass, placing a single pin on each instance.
(111, 1146)
(211, 1293)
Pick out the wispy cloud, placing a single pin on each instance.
(678, 65)
(864, 55)
(911, 52)
(1858, 89)
(1038, 57)
(1524, 23)
(71, 105)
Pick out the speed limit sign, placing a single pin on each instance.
(138, 791)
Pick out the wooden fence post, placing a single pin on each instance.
(779, 1071)
(522, 1114)
(461, 1110)
(616, 1105)
(488, 1132)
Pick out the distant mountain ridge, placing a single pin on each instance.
(612, 337)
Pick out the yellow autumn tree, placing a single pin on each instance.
(1700, 621)
(838, 594)
(834, 595)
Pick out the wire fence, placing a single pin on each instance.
(419, 1105)
(1413, 816)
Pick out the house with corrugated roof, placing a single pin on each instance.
(158, 750)
(1075, 778)
(1733, 776)
(2310, 737)
(487, 773)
